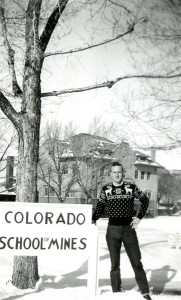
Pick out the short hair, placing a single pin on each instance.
(116, 163)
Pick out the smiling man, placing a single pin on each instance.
(120, 196)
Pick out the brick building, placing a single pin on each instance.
(84, 164)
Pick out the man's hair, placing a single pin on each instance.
(116, 163)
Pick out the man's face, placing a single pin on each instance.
(116, 174)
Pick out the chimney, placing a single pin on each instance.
(9, 172)
(153, 154)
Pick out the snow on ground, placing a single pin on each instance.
(63, 277)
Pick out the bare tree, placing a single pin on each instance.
(54, 143)
(154, 105)
(102, 128)
(27, 121)
(91, 161)
(169, 189)
(86, 157)
(28, 29)
(7, 142)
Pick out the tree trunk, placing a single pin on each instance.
(25, 272)
(27, 122)
(27, 160)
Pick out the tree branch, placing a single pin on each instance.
(15, 86)
(51, 23)
(130, 30)
(121, 6)
(7, 147)
(32, 26)
(11, 113)
(107, 84)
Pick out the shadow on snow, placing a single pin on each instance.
(158, 279)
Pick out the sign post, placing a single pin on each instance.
(93, 261)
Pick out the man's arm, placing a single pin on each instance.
(100, 206)
(138, 194)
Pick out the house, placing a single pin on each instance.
(84, 165)
(81, 166)
(74, 170)
(144, 172)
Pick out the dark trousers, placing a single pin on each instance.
(115, 236)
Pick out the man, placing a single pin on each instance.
(119, 196)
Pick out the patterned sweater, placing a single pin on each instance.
(120, 201)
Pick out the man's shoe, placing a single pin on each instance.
(147, 296)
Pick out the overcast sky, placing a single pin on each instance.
(127, 56)
(106, 63)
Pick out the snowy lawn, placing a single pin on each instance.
(63, 277)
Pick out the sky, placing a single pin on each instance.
(125, 102)
(170, 159)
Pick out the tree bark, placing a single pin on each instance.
(25, 272)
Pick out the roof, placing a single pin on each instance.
(10, 191)
(85, 145)
(139, 153)
(147, 163)
(88, 145)
(144, 160)
(95, 137)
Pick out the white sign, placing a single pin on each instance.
(34, 228)
(37, 228)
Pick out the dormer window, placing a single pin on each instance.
(143, 158)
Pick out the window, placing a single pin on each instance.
(136, 174)
(48, 191)
(102, 171)
(74, 168)
(143, 158)
(70, 194)
(148, 194)
(148, 175)
(142, 175)
(65, 169)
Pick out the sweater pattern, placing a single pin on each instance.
(120, 201)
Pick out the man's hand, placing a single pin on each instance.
(135, 222)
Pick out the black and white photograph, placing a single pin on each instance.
(90, 149)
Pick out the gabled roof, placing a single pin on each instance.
(85, 145)
(93, 137)
(144, 159)
(139, 153)
(147, 163)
